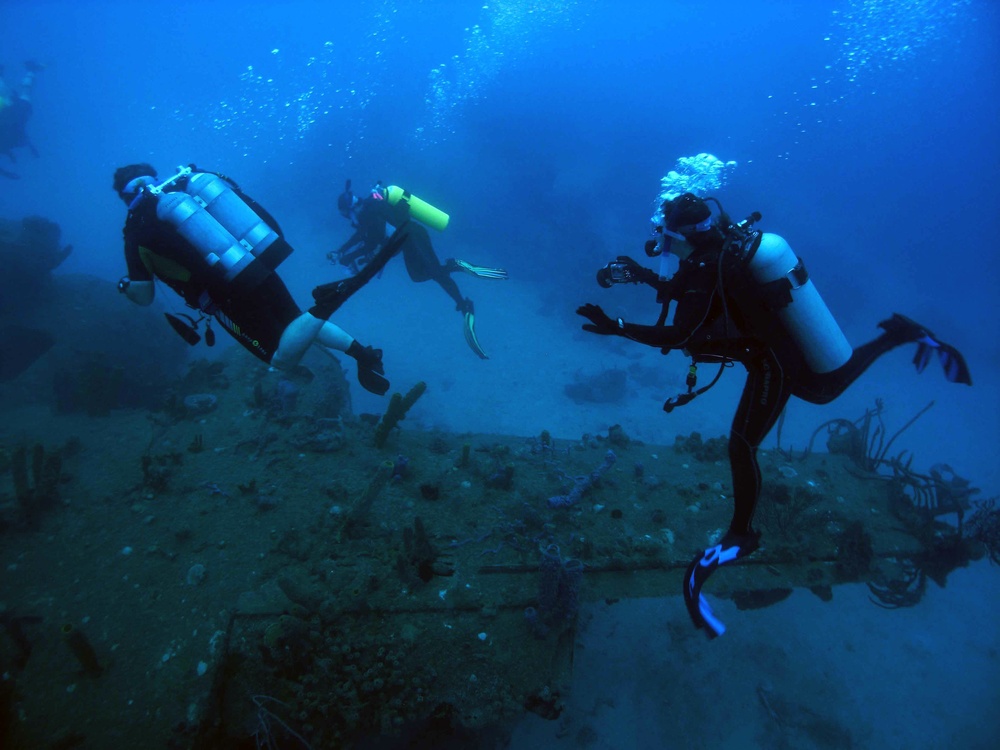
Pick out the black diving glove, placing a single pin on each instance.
(732, 547)
(600, 323)
(370, 368)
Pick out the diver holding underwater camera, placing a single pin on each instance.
(744, 296)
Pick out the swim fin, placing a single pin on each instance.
(469, 329)
(20, 348)
(372, 381)
(370, 368)
(732, 547)
(329, 297)
(952, 361)
(481, 271)
(905, 330)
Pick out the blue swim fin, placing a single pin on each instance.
(731, 547)
(904, 330)
(955, 368)
(923, 356)
(952, 361)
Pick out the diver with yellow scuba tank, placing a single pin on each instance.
(398, 208)
(199, 234)
(744, 296)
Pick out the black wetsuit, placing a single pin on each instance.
(422, 263)
(721, 316)
(255, 318)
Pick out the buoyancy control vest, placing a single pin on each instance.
(239, 247)
(783, 288)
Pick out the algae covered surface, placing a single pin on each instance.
(253, 566)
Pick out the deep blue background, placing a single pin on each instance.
(559, 121)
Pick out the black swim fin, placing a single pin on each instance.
(370, 368)
(373, 382)
(20, 348)
(329, 297)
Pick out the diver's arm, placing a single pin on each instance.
(687, 320)
(353, 240)
(138, 285)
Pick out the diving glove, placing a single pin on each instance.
(600, 322)
(481, 271)
(469, 330)
(370, 368)
(732, 547)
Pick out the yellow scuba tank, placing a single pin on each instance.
(806, 318)
(420, 210)
(229, 235)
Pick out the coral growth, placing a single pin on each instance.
(559, 583)
(582, 484)
(399, 405)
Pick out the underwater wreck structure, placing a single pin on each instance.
(253, 563)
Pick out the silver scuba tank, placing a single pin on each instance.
(235, 216)
(226, 232)
(808, 320)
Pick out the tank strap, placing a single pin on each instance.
(776, 295)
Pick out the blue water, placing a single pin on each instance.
(864, 132)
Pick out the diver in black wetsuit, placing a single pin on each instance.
(230, 278)
(369, 218)
(743, 296)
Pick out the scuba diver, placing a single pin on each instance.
(744, 296)
(394, 206)
(199, 234)
(15, 111)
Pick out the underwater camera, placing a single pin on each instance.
(617, 272)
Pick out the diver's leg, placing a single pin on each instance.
(333, 336)
(370, 367)
(447, 283)
(295, 340)
(764, 396)
(307, 329)
(898, 331)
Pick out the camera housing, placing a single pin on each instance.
(615, 272)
